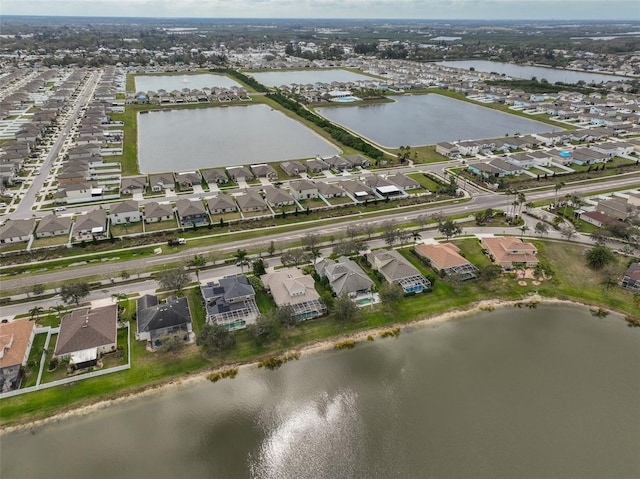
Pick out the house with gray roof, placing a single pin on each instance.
(251, 201)
(240, 173)
(52, 225)
(330, 190)
(396, 269)
(357, 190)
(221, 204)
(155, 212)
(187, 179)
(191, 213)
(357, 161)
(230, 302)
(316, 165)
(17, 231)
(345, 276)
(293, 168)
(631, 279)
(162, 181)
(86, 334)
(93, 223)
(403, 181)
(133, 184)
(156, 321)
(264, 171)
(126, 212)
(303, 189)
(338, 163)
(278, 198)
(215, 176)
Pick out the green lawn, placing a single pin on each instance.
(425, 182)
(160, 226)
(33, 363)
(50, 241)
(123, 230)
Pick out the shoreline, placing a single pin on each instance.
(311, 348)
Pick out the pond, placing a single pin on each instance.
(303, 77)
(185, 139)
(552, 75)
(169, 83)
(427, 119)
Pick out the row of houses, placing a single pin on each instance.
(611, 209)
(188, 95)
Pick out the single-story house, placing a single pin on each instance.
(16, 338)
(303, 189)
(251, 201)
(446, 259)
(264, 171)
(396, 269)
(231, 302)
(507, 250)
(240, 173)
(403, 181)
(93, 223)
(448, 149)
(330, 190)
(316, 165)
(162, 181)
(288, 286)
(155, 212)
(596, 218)
(293, 168)
(278, 198)
(157, 321)
(338, 163)
(85, 334)
(215, 175)
(133, 184)
(221, 204)
(52, 225)
(191, 213)
(126, 212)
(357, 190)
(17, 231)
(358, 161)
(187, 179)
(345, 276)
(631, 279)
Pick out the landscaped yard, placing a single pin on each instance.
(425, 181)
(33, 363)
(50, 241)
(160, 226)
(131, 228)
(340, 200)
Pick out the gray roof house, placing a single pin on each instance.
(293, 168)
(403, 181)
(316, 165)
(631, 279)
(156, 321)
(278, 198)
(396, 269)
(330, 190)
(251, 201)
(264, 171)
(230, 302)
(16, 231)
(155, 212)
(162, 181)
(358, 160)
(87, 333)
(357, 190)
(133, 184)
(303, 189)
(52, 225)
(187, 179)
(94, 223)
(126, 212)
(221, 204)
(191, 212)
(239, 173)
(215, 175)
(338, 163)
(345, 276)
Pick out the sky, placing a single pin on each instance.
(414, 9)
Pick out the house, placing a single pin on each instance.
(403, 181)
(278, 198)
(445, 258)
(86, 334)
(631, 279)
(448, 149)
(357, 190)
(358, 161)
(345, 276)
(330, 190)
(156, 212)
(52, 225)
(133, 184)
(596, 218)
(221, 204)
(316, 166)
(191, 213)
(239, 173)
(338, 163)
(231, 302)
(288, 286)
(91, 224)
(264, 171)
(17, 231)
(293, 168)
(155, 321)
(396, 269)
(215, 176)
(187, 179)
(251, 201)
(16, 338)
(303, 189)
(507, 250)
(162, 181)
(616, 208)
(125, 212)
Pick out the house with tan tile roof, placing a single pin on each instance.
(16, 338)
(445, 258)
(507, 250)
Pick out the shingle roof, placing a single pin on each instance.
(152, 317)
(87, 328)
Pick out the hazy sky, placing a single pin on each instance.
(418, 9)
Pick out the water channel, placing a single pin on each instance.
(526, 393)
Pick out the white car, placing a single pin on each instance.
(59, 208)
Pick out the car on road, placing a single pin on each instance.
(3, 205)
(59, 208)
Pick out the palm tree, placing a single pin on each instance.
(241, 258)
(557, 186)
(524, 229)
(521, 201)
(196, 263)
(567, 198)
(35, 311)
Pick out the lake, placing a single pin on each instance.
(169, 83)
(513, 393)
(427, 119)
(552, 75)
(302, 77)
(180, 140)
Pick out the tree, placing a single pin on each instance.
(599, 237)
(35, 311)
(557, 187)
(259, 267)
(266, 328)
(368, 229)
(197, 262)
(214, 338)
(391, 294)
(272, 248)
(294, 257)
(599, 256)
(170, 344)
(173, 279)
(347, 248)
(74, 292)
(286, 315)
(118, 297)
(448, 228)
(490, 272)
(125, 275)
(523, 229)
(568, 231)
(541, 228)
(37, 289)
(389, 233)
(345, 310)
(59, 309)
(241, 258)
